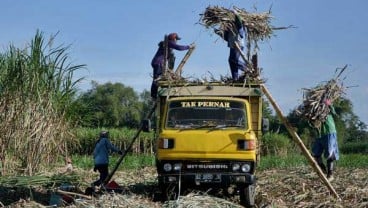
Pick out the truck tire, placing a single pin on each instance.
(247, 195)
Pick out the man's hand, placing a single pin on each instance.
(121, 152)
(192, 45)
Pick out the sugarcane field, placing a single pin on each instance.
(168, 123)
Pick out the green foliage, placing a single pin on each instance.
(120, 137)
(130, 161)
(110, 105)
(275, 144)
(285, 161)
(353, 161)
(354, 147)
(295, 160)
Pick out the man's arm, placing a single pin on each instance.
(172, 44)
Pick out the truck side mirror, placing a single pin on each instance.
(146, 125)
(265, 125)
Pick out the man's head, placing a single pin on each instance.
(104, 134)
(173, 36)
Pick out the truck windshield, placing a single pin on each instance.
(208, 114)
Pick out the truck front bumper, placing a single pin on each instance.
(213, 179)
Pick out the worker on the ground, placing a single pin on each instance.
(327, 143)
(158, 60)
(101, 157)
(233, 36)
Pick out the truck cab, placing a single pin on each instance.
(207, 137)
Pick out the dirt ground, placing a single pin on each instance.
(296, 187)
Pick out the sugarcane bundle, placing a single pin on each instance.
(314, 108)
(257, 24)
(39, 180)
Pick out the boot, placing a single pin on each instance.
(330, 167)
(321, 164)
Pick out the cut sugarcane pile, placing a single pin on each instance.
(289, 187)
(313, 108)
(40, 180)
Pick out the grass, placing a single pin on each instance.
(295, 160)
(130, 162)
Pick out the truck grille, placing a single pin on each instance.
(213, 167)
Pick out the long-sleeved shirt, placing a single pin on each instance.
(158, 59)
(238, 36)
(101, 151)
(328, 127)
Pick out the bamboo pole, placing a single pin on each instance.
(166, 54)
(183, 61)
(297, 139)
(243, 55)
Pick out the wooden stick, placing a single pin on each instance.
(183, 61)
(75, 194)
(166, 55)
(297, 139)
(243, 56)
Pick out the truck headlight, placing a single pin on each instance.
(245, 168)
(167, 167)
(177, 166)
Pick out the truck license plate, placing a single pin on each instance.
(208, 177)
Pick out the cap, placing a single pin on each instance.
(173, 36)
(104, 134)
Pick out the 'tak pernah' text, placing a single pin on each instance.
(212, 104)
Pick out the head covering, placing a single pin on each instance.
(173, 36)
(104, 134)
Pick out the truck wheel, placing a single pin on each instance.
(247, 195)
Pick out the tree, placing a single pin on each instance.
(110, 105)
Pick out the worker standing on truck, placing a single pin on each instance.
(327, 143)
(235, 36)
(157, 62)
(101, 156)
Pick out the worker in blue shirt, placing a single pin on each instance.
(234, 36)
(101, 156)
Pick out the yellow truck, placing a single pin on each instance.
(207, 137)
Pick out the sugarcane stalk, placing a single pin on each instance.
(183, 61)
(73, 193)
(243, 56)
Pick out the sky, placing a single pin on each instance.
(116, 40)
